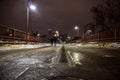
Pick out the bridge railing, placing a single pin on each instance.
(106, 36)
(12, 34)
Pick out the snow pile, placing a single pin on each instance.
(100, 45)
(22, 46)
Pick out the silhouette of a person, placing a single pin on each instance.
(53, 38)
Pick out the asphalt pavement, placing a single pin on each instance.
(60, 63)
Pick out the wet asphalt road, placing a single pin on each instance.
(56, 63)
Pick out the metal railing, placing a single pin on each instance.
(12, 35)
(106, 36)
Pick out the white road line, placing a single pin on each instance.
(76, 62)
(21, 73)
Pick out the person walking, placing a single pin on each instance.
(53, 38)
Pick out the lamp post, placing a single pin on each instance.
(77, 28)
(32, 7)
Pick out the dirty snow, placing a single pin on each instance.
(99, 45)
(23, 46)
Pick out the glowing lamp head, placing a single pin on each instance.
(76, 28)
(32, 7)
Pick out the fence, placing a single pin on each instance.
(12, 35)
(106, 36)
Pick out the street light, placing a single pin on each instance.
(77, 28)
(32, 7)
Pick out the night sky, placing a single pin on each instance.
(62, 15)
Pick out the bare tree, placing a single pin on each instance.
(107, 15)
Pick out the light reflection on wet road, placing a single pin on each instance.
(96, 63)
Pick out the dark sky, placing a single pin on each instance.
(60, 14)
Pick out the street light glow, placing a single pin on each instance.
(32, 7)
(76, 28)
(68, 37)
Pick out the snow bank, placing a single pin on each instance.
(100, 45)
(22, 46)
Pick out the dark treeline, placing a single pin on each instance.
(107, 15)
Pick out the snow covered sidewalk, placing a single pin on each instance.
(23, 46)
(99, 45)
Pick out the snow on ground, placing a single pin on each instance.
(28, 46)
(97, 45)
(100, 45)
(23, 46)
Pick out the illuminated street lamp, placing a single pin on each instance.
(30, 6)
(77, 28)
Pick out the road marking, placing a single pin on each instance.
(73, 58)
(21, 73)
